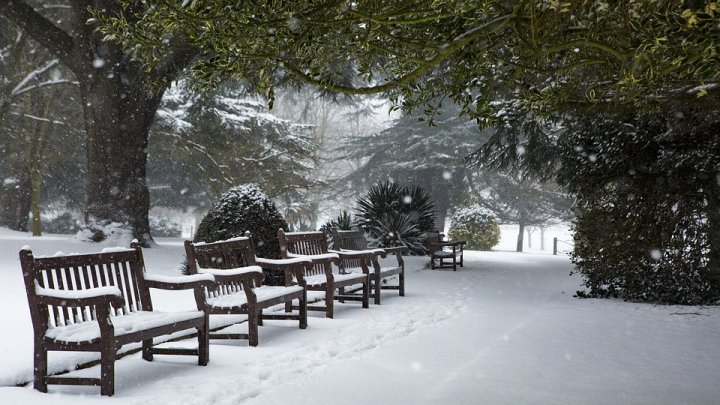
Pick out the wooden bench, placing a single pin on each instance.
(99, 302)
(321, 276)
(354, 241)
(239, 276)
(442, 251)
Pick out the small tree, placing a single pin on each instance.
(476, 226)
(245, 208)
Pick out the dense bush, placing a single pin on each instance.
(64, 223)
(647, 207)
(245, 208)
(395, 215)
(164, 227)
(476, 226)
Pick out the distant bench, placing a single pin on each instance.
(448, 253)
(99, 302)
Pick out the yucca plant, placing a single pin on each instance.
(344, 221)
(395, 215)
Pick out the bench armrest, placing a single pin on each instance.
(321, 258)
(450, 243)
(180, 282)
(397, 249)
(353, 254)
(295, 266)
(79, 298)
(238, 274)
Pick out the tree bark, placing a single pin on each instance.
(119, 103)
(521, 231)
(713, 214)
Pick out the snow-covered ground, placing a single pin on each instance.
(505, 329)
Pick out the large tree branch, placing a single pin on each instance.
(429, 64)
(40, 29)
(181, 53)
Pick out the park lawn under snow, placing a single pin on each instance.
(505, 329)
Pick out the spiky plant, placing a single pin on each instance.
(344, 221)
(397, 215)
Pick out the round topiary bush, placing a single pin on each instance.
(476, 226)
(246, 208)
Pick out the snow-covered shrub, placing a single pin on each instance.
(395, 215)
(165, 227)
(112, 233)
(245, 208)
(64, 223)
(475, 225)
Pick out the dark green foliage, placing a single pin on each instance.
(344, 222)
(476, 226)
(647, 206)
(64, 223)
(395, 215)
(245, 208)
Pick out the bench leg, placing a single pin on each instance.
(204, 343)
(366, 294)
(378, 283)
(303, 311)
(253, 328)
(107, 370)
(401, 282)
(329, 300)
(260, 318)
(40, 367)
(147, 353)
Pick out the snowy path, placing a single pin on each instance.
(503, 330)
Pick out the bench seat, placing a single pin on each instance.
(134, 322)
(320, 279)
(263, 293)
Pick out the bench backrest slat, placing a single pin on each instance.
(122, 269)
(229, 254)
(305, 243)
(349, 240)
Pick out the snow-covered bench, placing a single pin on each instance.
(321, 277)
(100, 302)
(239, 276)
(449, 254)
(347, 241)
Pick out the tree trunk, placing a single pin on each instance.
(36, 182)
(713, 198)
(543, 228)
(530, 232)
(15, 202)
(519, 247)
(117, 129)
(118, 106)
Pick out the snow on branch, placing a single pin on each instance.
(45, 84)
(33, 75)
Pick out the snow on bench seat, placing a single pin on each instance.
(130, 323)
(263, 293)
